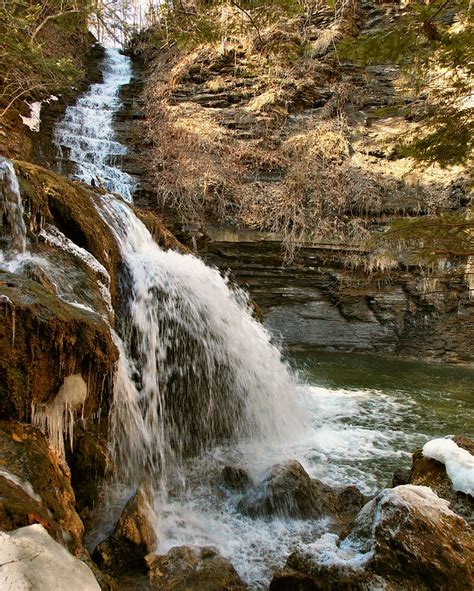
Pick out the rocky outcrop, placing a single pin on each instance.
(56, 312)
(229, 156)
(318, 302)
(429, 472)
(288, 490)
(45, 340)
(406, 538)
(189, 568)
(35, 486)
(236, 478)
(133, 537)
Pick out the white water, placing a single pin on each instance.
(86, 136)
(11, 207)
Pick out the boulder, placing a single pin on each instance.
(426, 471)
(31, 559)
(132, 539)
(236, 478)
(187, 568)
(288, 490)
(406, 538)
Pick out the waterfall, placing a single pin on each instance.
(203, 369)
(195, 368)
(86, 138)
(12, 206)
(197, 375)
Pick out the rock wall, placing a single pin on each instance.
(318, 302)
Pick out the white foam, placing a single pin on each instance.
(458, 461)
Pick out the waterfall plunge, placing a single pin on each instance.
(198, 368)
(195, 369)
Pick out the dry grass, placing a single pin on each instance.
(278, 156)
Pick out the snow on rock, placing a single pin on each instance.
(32, 561)
(34, 120)
(459, 463)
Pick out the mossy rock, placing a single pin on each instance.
(43, 340)
(70, 206)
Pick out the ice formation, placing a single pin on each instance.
(458, 461)
(31, 560)
(57, 418)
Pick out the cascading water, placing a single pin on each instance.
(203, 368)
(12, 207)
(86, 138)
(195, 368)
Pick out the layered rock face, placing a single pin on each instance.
(231, 153)
(318, 302)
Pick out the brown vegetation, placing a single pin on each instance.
(268, 129)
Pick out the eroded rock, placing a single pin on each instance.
(35, 486)
(406, 538)
(236, 477)
(132, 539)
(187, 568)
(288, 490)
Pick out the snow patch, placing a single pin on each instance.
(23, 484)
(57, 418)
(31, 559)
(459, 463)
(34, 120)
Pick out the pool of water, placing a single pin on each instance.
(367, 414)
(371, 413)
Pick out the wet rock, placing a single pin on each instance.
(187, 568)
(428, 472)
(31, 559)
(132, 539)
(406, 538)
(35, 486)
(236, 477)
(288, 490)
(348, 502)
(43, 341)
(401, 477)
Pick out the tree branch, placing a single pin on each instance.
(50, 18)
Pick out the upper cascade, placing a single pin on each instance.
(12, 206)
(86, 136)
